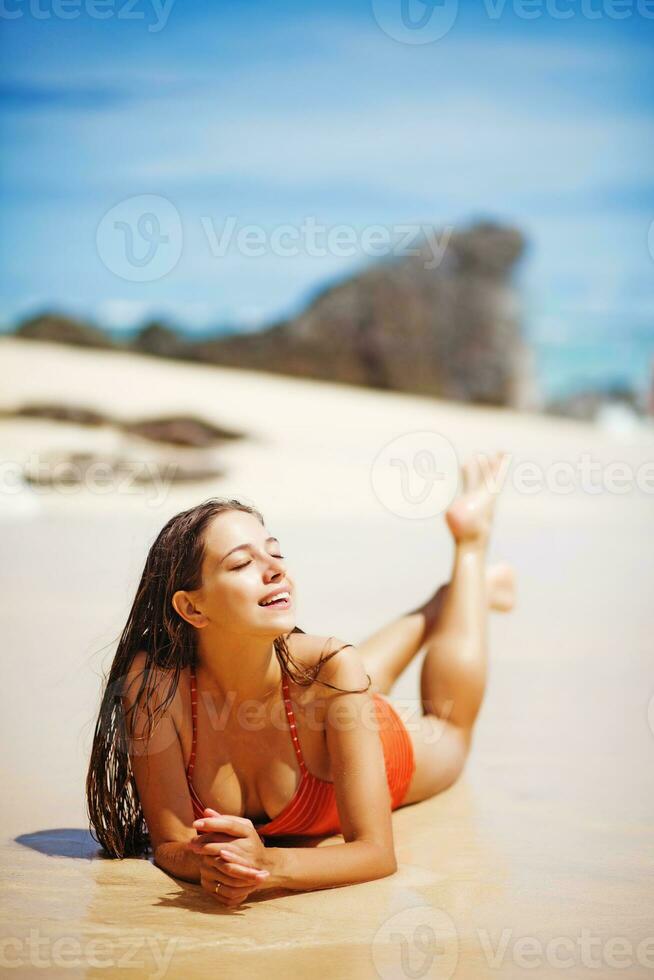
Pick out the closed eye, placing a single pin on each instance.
(245, 564)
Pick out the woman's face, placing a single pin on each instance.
(243, 566)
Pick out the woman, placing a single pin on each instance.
(224, 729)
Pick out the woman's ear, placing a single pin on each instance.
(185, 607)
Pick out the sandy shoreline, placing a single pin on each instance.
(548, 833)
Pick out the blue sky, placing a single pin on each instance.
(272, 114)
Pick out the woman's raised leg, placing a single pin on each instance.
(453, 675)
(389, 650)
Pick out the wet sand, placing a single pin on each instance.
(537, 862)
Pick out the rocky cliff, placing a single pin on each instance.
(448, 329)
(451, 332)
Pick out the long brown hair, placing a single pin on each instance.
(153, 626)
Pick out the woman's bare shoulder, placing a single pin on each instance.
(342, 666)
(309, 648)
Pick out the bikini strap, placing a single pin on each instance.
(194, 718)
(291, 723)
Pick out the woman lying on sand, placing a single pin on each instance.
(225, 730)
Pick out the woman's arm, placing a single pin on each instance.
(361, 788)
(176, 858)
(158, 767)
(304, 869)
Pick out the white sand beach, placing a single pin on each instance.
(548, 836)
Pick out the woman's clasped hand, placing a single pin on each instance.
(233, 858)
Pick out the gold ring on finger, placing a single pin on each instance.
(217, 887)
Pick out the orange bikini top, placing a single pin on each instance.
(312, 810)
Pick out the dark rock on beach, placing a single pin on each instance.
(452, 331)
(161, 341)
(177, 430)
(63, 330)
(75, 414)
(585, 405)
(180, 431)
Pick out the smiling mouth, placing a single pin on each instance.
(277, 604)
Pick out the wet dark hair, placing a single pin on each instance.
(169, 642)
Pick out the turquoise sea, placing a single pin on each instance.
(594, 355)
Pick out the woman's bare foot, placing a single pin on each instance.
(470, 517)
(500, 586)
